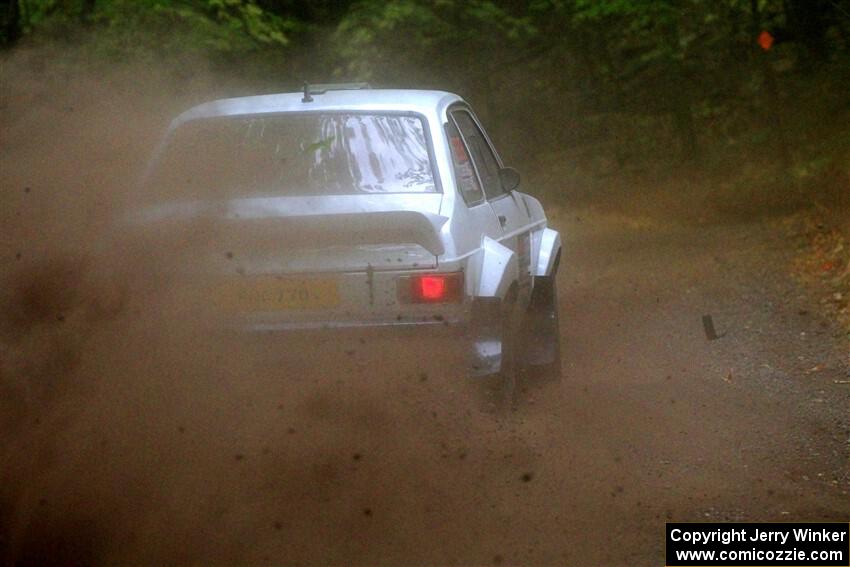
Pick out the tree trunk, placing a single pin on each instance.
(809, 22)
(87, 10)
(775, 121)
(683, 120)
(11, 24)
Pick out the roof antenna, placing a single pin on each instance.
(307, 97)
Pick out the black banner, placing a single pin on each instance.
(760, 545)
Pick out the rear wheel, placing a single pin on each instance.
(542, 332)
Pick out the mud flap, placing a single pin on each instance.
(542, 331)
(485, 336)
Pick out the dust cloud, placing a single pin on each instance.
(134, 431)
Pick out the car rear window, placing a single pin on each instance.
(296, 154)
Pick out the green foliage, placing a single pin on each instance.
(629, 85)
(592, 10)
(151, 29)
(373, 31)
(247, 19)
(385, 39)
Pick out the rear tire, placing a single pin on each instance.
(542, 332)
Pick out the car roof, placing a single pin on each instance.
(378, 100)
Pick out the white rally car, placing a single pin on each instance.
(345, 206)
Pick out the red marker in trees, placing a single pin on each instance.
(765, 40)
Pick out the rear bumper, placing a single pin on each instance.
(438, 322)
(476, 330)
(413, 317)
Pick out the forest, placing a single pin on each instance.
(744, 99)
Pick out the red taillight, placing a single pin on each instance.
(432, 288)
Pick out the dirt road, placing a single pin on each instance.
(167, 445)
(130, 435)
(665, 425)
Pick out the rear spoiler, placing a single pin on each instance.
(315, 226)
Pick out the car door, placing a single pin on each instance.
(507, 206)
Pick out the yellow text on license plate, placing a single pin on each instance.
(272, 294)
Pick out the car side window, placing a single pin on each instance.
(467, 180)
(484, 159)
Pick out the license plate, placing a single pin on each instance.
(276, 294)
